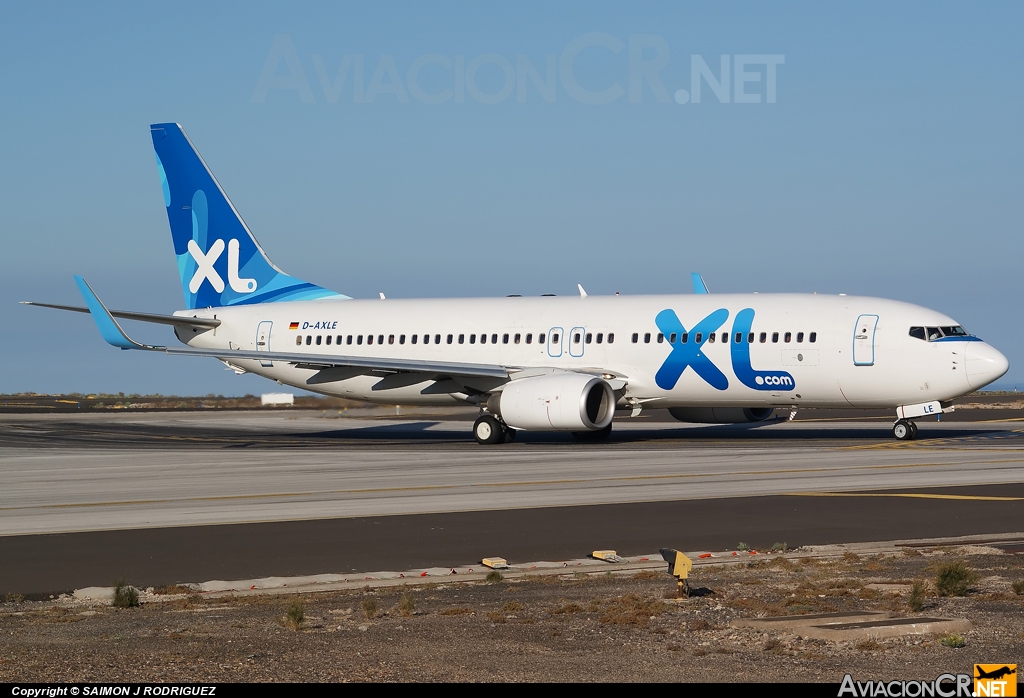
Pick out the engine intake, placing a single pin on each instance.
(557, 402)
(721, 415)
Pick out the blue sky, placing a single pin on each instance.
(888, 164)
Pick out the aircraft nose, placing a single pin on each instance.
(984, 364)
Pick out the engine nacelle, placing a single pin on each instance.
(557, 402)
(721, 415)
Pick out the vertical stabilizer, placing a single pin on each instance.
(219, 261)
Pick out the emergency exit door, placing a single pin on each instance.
(263, 340)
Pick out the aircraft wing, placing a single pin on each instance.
(117, 337)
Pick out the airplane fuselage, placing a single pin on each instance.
(721, 350)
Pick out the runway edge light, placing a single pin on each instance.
(679, 566)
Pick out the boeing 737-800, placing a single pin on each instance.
(544, 363)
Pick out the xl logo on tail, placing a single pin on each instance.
(206, 272)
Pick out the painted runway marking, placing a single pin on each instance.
(911, 495)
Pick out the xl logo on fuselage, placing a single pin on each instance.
(206, 272)
(689, 354)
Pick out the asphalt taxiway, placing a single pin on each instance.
(164, 497)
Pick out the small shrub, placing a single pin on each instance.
(915, 601)
(742, 547)
(779, 548)
(1018, 587)
(850, 556)
(954, 578)
(953, 640)
(406, 605)
(868, 645)
(493, 577)
(495, 617)
(295, 615)
(647, 574)
(125, 595)
(18, 598)
(369, 607)
(512, 607)
(457, 612)
(567, 608)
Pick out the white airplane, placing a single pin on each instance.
(545, 363)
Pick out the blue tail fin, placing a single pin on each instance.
(219, 261)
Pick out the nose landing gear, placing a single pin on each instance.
(904, 430)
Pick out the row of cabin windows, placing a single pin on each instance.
(426, 339)
(698, 337)
(577, 338)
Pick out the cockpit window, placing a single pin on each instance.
(930, 334)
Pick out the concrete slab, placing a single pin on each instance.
(877, 630)
(802, 621)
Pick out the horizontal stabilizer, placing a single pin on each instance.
(176, 320)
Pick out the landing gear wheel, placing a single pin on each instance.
(913, 430)
(598, 435)
(488, 430)
(904, 430)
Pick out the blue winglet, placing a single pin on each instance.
(698, 283)
(106, 323)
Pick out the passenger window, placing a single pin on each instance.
(813, 337)
(661, 338)
(611, 337)
(590, 337)
(414, 338)
(636, 337)
(647, 337)
(750, 338)
(504, 339)
(672, 338)
(348, 340)
(711, 337)
(328, 339)
(516, 339)
(380, 339)
(298, 341)
(799, 337)
(359, 339)
(540, 338)
(401, 339)
(600, 337)
(529, 338)
(494, 339)
(554, 338)
(472, 339)
(462, 339)
(685, 338)
(483, 339)
(788, 337)
(426, 339)
(576, 338)
(739, 337)
(775, 337)
(369, 339)
(764, 337)
(437, 339)
(309, 339)
(450, 339)
(725, 338)
(338, 340)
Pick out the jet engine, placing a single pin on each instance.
(721, 415)
(557, 402)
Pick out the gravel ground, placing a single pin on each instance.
(603, 627)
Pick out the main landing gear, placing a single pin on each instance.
(904, 430)
(488, 429)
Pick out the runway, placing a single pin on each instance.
(159, 495)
